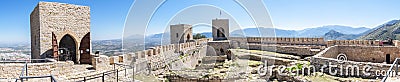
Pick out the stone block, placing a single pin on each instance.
(101, 63)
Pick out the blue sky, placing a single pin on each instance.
(108, 16)
(300, 14)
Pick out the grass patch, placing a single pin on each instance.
(254, 63)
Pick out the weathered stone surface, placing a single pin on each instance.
(102, 62)
(60, 19)
(181, 33)
(13, 70)
(376, 54)
(218, 47)
(220, 29)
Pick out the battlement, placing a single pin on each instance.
(171, 47)
(353, 42)
(281, 40)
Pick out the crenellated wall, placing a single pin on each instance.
(153, 58)
(280, 40)
(353, 42)
(297, 46)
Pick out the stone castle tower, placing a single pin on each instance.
(220, 29)
(220, 34)
(181, 33)
(60, 31)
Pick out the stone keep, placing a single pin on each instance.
(181, 33)
(57, 26)
(220, 29)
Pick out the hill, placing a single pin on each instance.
(334, 35)
(387, 30)
(309, 32)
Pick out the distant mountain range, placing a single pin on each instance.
(309, 32)
(334, 35)
(330, 32)
(387, 30)
(390, 29)
(345, 32)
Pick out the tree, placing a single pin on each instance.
(199, 36)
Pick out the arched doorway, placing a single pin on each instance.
(67, 49)
(220, 33)
(388, 59)
(188, 37)
(84, 50)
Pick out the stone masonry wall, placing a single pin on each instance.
(151, 59)
(35, 33)
(376, 54)
(296, 50)
(335, 67)
(353, 42)
(60, 19)
(286, 40)
(220, 47)
(58, 69)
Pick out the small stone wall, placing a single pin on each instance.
(101, 63)
(296, 50)
(58, 69)
(367, 60)
(376, 54)
(349, 68)
(220, 47)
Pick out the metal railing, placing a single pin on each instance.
(394, 65)
(107, 73)
(24, 70)
(52, 78)
(27, 61)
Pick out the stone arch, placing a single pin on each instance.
(85, 50)
(68, 32)
(188, 37)
(68, 48)
(229, 55)
(222, 51)
(211, 51)
(220, 33)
